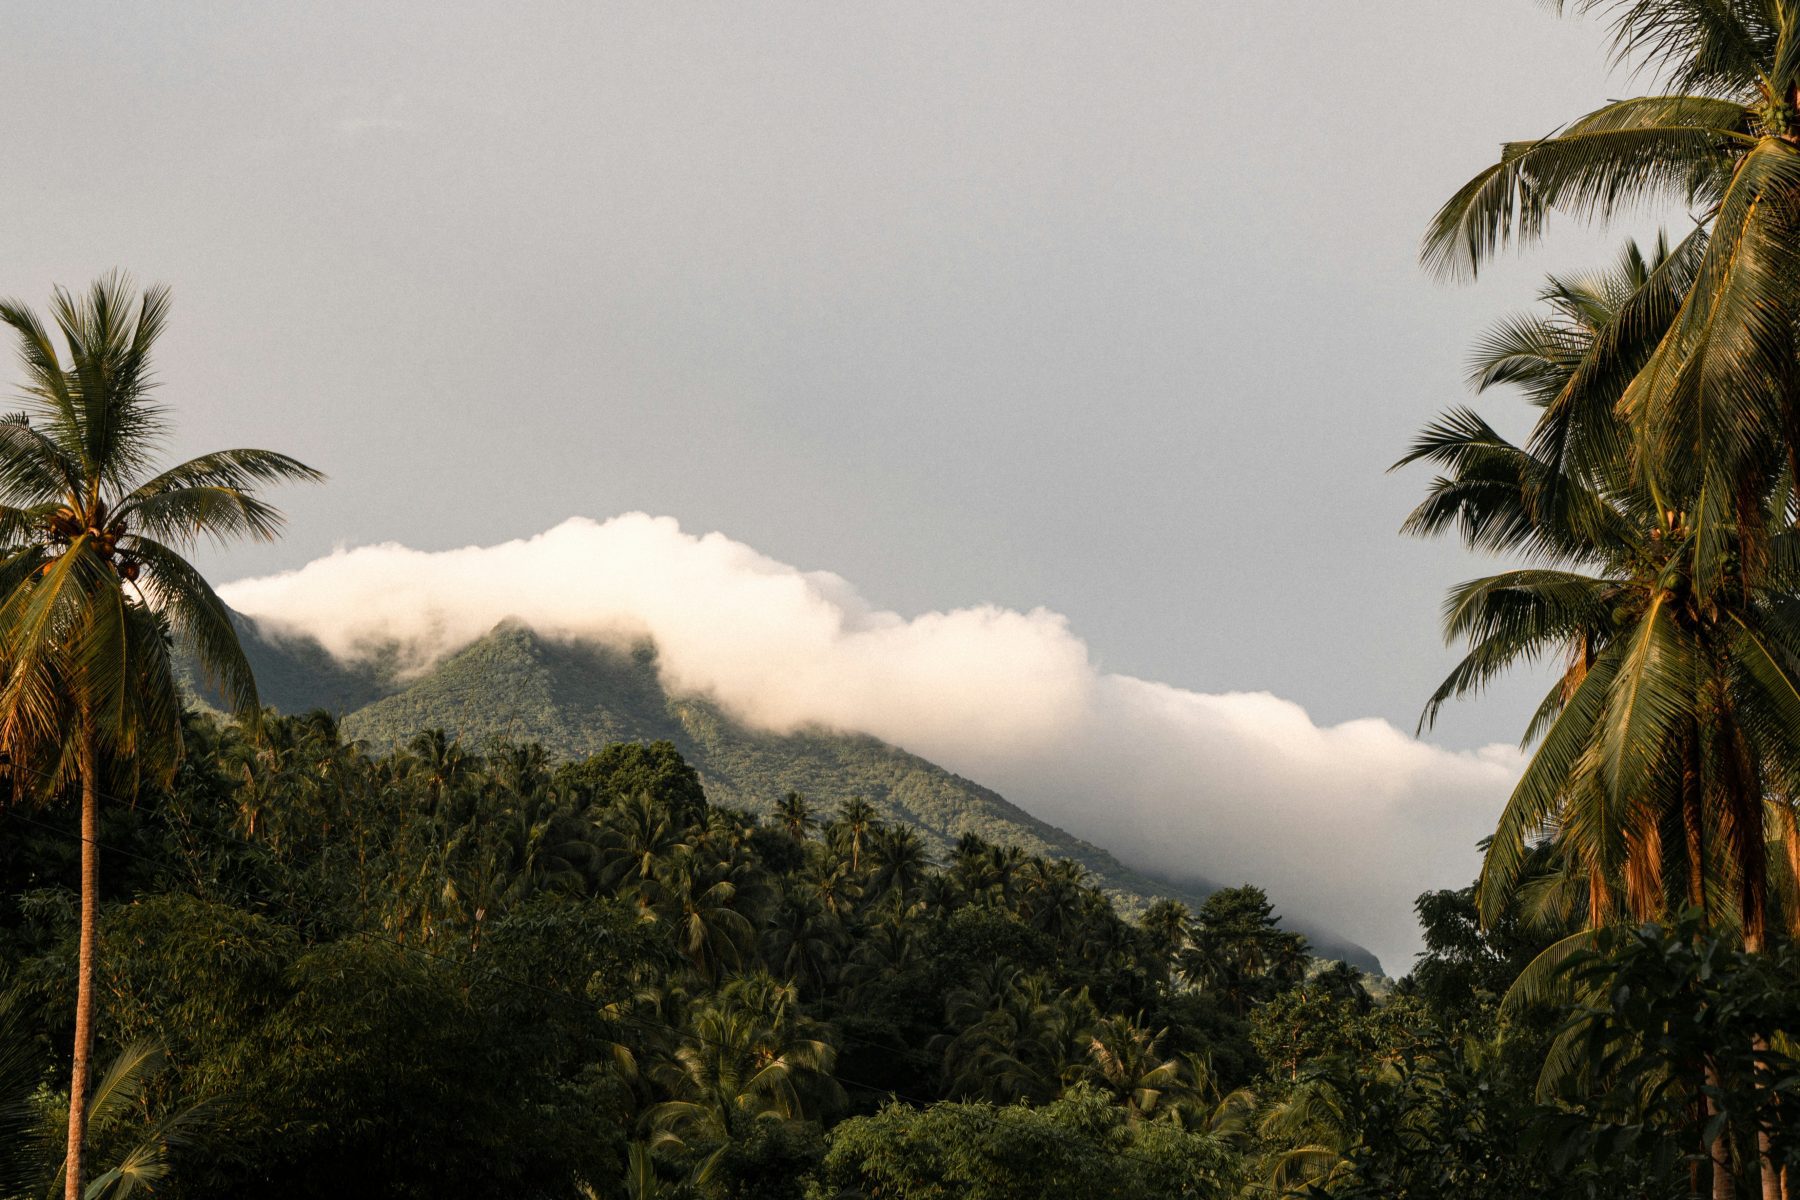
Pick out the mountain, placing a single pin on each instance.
(576, 698)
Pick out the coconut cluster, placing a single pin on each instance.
(66, 525)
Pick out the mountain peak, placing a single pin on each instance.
(576, 697)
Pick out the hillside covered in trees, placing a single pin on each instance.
(449, 973)
(575, 698)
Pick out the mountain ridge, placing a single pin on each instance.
(576, 697)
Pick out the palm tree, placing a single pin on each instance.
(940, 894)
(1128, 1061)
(1318, 1124)
(122, 1132)
(1674, 729)
(1713, 407)
(855, 820)
(137, 1148)
(702, 908)
(795, 815)
(888, 945)
(834, 882)
(94, 581)
(900, 862)
(1670, 744)
(747, 1056)
(637, 836)
(1015, 1037)
(521, 845)
(1055, 896)
(968, 867)
(1006, 866)
(440, 760)
(1165, 923)
(803, 940)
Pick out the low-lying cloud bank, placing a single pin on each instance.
(1344, 824)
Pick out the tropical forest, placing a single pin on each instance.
(536, 920)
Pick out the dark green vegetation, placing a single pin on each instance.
(576, 698)
(446, 973)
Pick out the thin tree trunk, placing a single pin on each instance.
(1771, 1175)
(1694, 819)
(84, 978)
(1723, 1188)
(1753, 904)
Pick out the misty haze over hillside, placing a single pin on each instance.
(1351, 820)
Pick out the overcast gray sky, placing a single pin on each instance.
(1111, 308)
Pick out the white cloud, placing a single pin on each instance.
(1343, 824)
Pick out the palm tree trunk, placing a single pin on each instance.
(84, 976)
(1694, 819)
(1772, 1187)
(1723, 1187)
(1753, 901)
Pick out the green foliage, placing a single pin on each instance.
(95, 588)
(1237, 948)
(302, 1039)
(446, 972)
(1668, 1020)
(454, 973)
(578, 699)
(1080, 1145)
(629, 769)
(1468, 966)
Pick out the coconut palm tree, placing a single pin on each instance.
(702, 907)
(803, 940)
(1714, 406)
(1015, 1036)
(1310, 1133)
(834, 883)
(636, 837)
(856, 821)
(795, 815)
(1129, 1062)
(900, 862)
(1165, 923)
(94, 579)
(1669, 747)
(1054, 899)
(747, 1055)
(139, 1151)
(1673, 733)
(439, 759)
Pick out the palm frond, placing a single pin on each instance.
(1610, 159)
(1544, 783)
(200, 620)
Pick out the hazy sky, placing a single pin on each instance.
(1106, 308)
(1109, 308)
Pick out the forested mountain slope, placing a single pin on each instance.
(576, 698)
